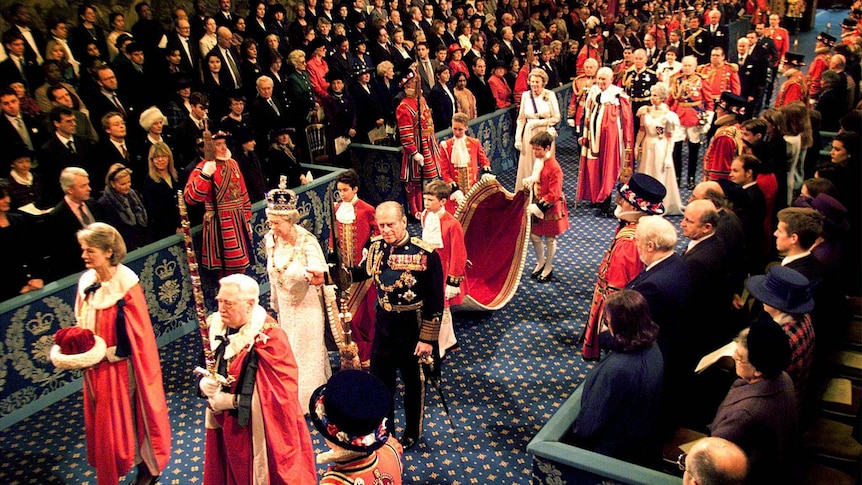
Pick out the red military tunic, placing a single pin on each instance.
(689, 97)
(619, 266)
(467, 175)
(781, 38)
(549, 189)
(125, 412)
(795, 88)
(815, 71)
(382, 467)
(580, 87)
(587, 52)
(226, 237)
(724, 147)
(409, 128)
(724, 78)
(352, 239)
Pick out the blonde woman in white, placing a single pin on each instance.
(296, 265)
(654, 145)
(540, 112)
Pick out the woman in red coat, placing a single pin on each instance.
(550, 216)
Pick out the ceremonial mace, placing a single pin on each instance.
(347, 348)
(197, 290)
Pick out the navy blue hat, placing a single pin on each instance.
(732, 103)
(782, 288)
(350, 410)
(243, 135)
(768, 347)
(645, 193)
(826, 38)
(19, 151)
(794, 59)
(316, 43)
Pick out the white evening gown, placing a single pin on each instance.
(299, 307)
(656, 158)
(546, 104)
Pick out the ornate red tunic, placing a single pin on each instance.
(382, 467)
(724, 147)
(815, 71)
(794, 89)
(549, 189)
(453, 255)
(407, 117)
(689, 97)
(465, 173)
(724, 78)
(226, 236)
(125, 412)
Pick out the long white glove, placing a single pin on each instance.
(417, 157)
(209, 387)
(221, 401)
(552, 131)
(209, 168)
(457, 196)
(452, 291)
(518, 145)
(534, 210)
(570, 122)
(529, 181)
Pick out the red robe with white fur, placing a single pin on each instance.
(453, 255)
(122, 424)
(608, 129)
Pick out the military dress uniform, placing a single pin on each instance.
(637, 85)
(409, 281)
(794, 89)
(690, 99)
(698, 44)
(724, 78)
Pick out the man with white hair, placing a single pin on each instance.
(255, 430)
(608, 130)
(75, 212)
(266, 112)
(714, 461)
(718, 33)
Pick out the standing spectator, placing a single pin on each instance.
(300, 94)
(340, 111)
(22, 186)
(74, 212)
(159, 192)
(88, 32)
(249, 164)
(442, 99)
(369, 101)
(477, 84)
(250, 68)
(24, 272)
(499, 88)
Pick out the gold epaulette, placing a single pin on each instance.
(376, 238)
(422, 244)
(733, 67)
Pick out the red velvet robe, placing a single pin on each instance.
(467, 177)
(549, 189)
(619, 266)
(363, 296)
(608, 130)
(226, 237)
(121, 424)
(283, 434)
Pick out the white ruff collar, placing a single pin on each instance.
(110, 291)
(244, 338)
(346, 213)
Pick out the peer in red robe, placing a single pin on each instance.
(607, 138)
(125, 412)
(263, 437)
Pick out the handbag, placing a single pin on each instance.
(341, 144)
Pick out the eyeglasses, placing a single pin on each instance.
(680, 461)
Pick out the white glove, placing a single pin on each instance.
(209, 386)
(570, 122)
(529, 181)
(417, 157)
(518, 145)
(209, 168)
(487, 175)
(452, 291)
(534, 210)
(552, 131)
(457, 196)
(221, 401)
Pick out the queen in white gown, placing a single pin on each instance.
(539, 112)
(655, 145)
(295, 265)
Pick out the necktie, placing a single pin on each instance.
(22, 131)
(71, 146)
(124, 151)
(85, 216)
(234, 71)
(274, 107)
(21, 66)
(119, 106)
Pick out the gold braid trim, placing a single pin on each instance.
(429, 329)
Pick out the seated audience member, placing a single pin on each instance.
(249, 164)
(64, 149)
(123, 207)
(159, 191)
(786, 298)
(23, 186)
(27, 130)
(759, 413)
(237, 118)
(21, 266)
(620, 402)
(74, 212)
(53, 77)
(281, 159)
(714, 461)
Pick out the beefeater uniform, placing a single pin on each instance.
(409, 126)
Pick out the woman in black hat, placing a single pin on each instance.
(340, 112)
(759, 413)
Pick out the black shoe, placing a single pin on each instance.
(408, 442)
(535, 274)
(544, 278)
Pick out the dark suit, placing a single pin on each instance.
(579, 32)
(29, 53)
(10, 73)
(427, 76)
(711, 297)
(369, 108)
(719, 38)
(613, 50)
(9, 134)
(99, 105)
(442, 107)
(189, 64)
(106, 154)
(485, 102)
(264, 119)
(222, 20)
(753, 218)
(380, 54)
(186, 135)
(65, 251)
(54, 156)
(752, 75)
(732, 233)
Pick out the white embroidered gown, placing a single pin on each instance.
(656, 159)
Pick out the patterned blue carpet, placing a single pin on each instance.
(513, 370)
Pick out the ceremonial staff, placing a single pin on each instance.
(348, 351)
(197, 290)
